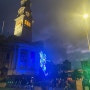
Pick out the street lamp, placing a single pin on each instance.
(85, 16)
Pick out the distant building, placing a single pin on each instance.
(66, 65)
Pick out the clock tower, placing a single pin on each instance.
(23, 23)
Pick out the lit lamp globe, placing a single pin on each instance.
(85, 16)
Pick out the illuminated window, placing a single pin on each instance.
(27, 23)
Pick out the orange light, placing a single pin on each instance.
(18, 23)
(27, 23)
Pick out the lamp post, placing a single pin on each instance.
(85, 16)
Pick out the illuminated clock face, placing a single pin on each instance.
(27, 13)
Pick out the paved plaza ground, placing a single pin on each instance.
(30, 89)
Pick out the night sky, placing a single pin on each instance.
(57, 22)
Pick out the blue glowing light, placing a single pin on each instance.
(43, 62)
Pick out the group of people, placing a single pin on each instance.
(61, 83)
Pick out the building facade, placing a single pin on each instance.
(23, 23)
(20, 58)
(18, 52)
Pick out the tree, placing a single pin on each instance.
(76, 75)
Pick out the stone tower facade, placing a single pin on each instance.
(23, 23)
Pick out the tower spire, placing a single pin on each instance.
(2, 27)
